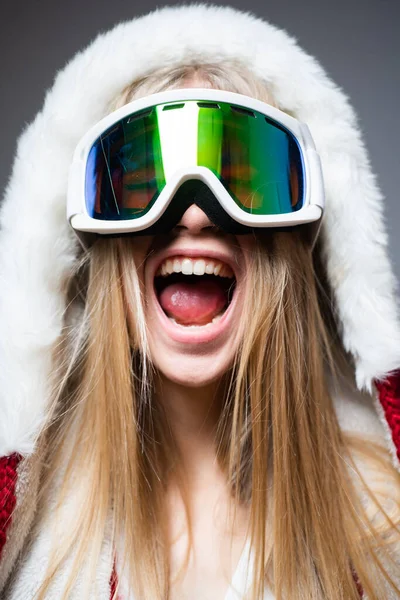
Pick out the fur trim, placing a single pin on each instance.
(29, 570)
(38, 249)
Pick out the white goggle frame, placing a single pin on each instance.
(311, 210)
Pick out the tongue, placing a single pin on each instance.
(193, 303)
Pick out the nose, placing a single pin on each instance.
(194, 220)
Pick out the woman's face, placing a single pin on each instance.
(193, 320)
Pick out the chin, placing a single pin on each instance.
(193, 371)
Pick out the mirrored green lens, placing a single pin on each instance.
(256, 159)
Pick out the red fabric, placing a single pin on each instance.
(389, 396)
(358, 584)
(113, 584)
(8, 480)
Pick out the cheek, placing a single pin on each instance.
(141, 246)
(248, 244)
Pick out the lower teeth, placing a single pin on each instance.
(215, 320)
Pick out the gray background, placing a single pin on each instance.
(357, 41)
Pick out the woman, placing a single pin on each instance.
(130, 440)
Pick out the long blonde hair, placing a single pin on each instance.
(315, 521)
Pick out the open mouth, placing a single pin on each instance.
(194, 292)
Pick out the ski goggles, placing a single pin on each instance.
(259, 163)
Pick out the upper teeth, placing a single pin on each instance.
(194, 266)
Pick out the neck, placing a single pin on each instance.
(192, 417)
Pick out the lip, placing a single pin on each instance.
(203, 334)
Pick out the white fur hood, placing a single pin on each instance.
(38, 249)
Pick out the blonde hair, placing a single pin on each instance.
(314, 519)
